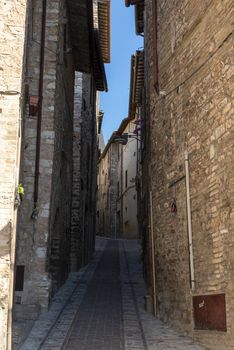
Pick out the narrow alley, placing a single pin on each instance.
(101, 308)
(116, 175)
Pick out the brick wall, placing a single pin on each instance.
(194, 112)
(11, 60)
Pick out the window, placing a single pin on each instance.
(19, 278)
(33, 105)
(65, 38)
(103, 221)
(84, 104)
(126, 178)
(91, 91)
(109, 155)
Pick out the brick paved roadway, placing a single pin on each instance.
(102, 308)
(98, 324)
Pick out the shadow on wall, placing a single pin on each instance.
(5, 241)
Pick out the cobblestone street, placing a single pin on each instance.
(101, 308)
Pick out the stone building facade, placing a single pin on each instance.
(117, 196)
(11, 71)
(85, 153)
(107, 190)
(43, 237)
(120, 166)
(41, 48)
(127, 226)
(188, 160)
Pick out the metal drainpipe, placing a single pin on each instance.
(190, 238)
(40, 96)
(152, 254)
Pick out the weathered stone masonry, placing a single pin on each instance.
(194, 111)
(57, 41)
(76, 184)
(11, 63)
(107, 189)
(84, 171)
(43, 238)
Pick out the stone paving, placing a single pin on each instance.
(51, 328)
(102, 308)
(142, 330)
(98, 323)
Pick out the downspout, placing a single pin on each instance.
(152, 254)
(39, 118)
(189, 218)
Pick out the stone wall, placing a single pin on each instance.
(103, 185)
(107, 191)
(128, 195)
(113, 188)
(58, 262)
(88, 168)
(84, 171)
(11, 61)
(43, 241)
(194, 111)
(76, 183)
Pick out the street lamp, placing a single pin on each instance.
(123, 139)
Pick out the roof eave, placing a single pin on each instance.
(99, 68)
(118, 132)
(136, 82)
(139, 18)
(80, 15)
(139, 14)
(104, 28)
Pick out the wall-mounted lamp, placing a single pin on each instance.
(123, 139)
